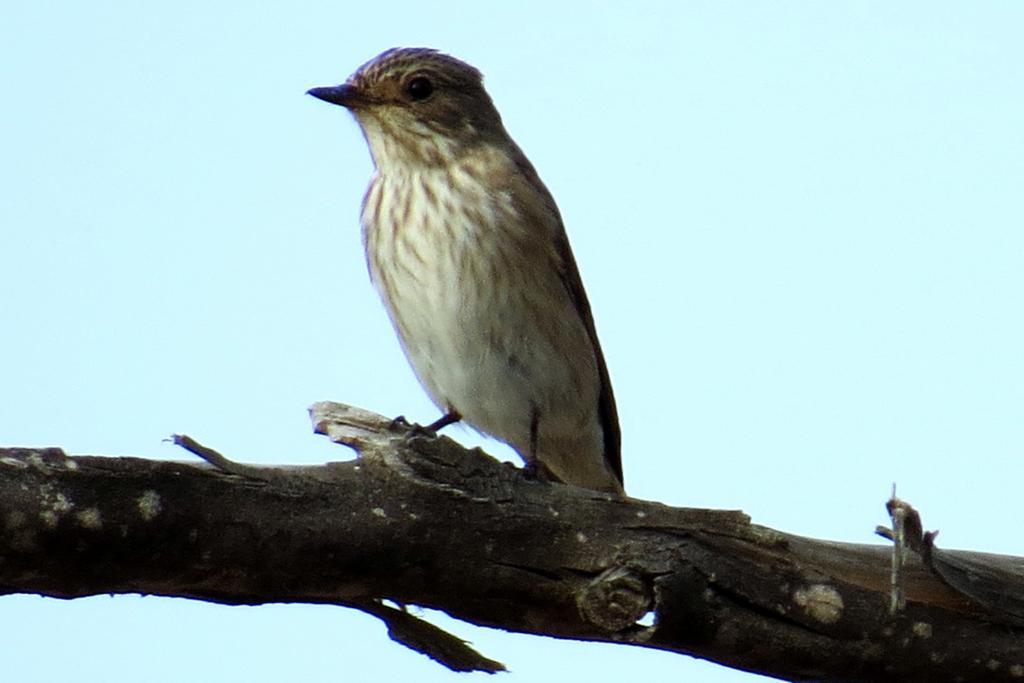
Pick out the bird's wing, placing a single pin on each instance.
(570, 274)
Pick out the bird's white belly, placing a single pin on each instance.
(475, 353)
(491, 333)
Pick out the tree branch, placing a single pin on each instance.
(419, 520)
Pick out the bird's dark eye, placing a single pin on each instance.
(419, 88)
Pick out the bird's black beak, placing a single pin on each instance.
(345, 95)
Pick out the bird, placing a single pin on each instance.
(467, 249)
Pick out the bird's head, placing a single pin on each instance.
(417, 105)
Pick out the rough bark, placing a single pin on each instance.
(419, 520)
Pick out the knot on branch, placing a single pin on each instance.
(615, 600)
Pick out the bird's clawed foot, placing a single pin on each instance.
(400, 424)
(533, 470)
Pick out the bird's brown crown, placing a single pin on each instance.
(400, 65)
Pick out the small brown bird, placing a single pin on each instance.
(468, 251)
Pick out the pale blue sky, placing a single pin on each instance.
(800, 225)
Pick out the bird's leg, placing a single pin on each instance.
(430, 430)
(534, 469)
(534, 434)
(450, 417)
(401, 424)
